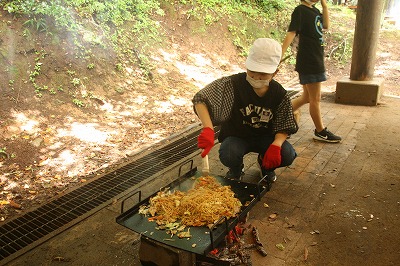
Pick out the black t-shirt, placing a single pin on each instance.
(251, 115)
(307, 23)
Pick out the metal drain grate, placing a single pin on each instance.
(24, 231)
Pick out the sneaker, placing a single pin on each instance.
(326, 135)
(270, 176)
(231, 175)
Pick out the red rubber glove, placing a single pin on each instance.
(272, 157)
(205, 140)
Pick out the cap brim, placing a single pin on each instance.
(262, 68)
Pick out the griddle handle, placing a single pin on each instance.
(259, 185)
(183, 164)
(214, 225)
(130, 196)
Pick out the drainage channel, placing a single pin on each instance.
(33, 228)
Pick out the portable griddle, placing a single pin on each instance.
(203, 239)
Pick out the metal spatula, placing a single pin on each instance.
(206, 168)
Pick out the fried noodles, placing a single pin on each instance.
(204, 204)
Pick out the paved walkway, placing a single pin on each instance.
(310, 199)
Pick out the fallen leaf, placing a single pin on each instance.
(4, 202)
(15, 205)
(60, 259)
(273, 216)
(44, 162)
(305, 253)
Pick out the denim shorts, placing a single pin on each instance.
(311, 78)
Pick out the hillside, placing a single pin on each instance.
(89, 109)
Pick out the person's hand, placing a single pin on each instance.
(272, 157)
(205, 140)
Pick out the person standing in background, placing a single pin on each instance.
(307, 22)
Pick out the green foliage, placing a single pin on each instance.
(76, 81)
(119, 67)
(341, 50)
(248, 19)
(272, 5)
(70, 72)
(109, 17)
(128, 24)
(78, 102)
(338, 45)
(133, 30)
(268, 5)
(120, 90)
(37, 23)
(38, 10)
(36, 72)
(4, 154)
(26, 33)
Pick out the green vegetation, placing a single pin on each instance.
(76, 81)
(11, 83)
(78, 102)
(132, 30)
(123, 22)
(248, 19)
(36, 72)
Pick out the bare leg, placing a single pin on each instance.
(312, 95)
(301, 100)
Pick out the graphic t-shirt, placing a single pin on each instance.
(252, 115)
(307, 23)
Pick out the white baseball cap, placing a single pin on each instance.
(264, 56)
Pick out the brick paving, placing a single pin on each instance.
(296, 193)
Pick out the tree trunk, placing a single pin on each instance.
(366, 34)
